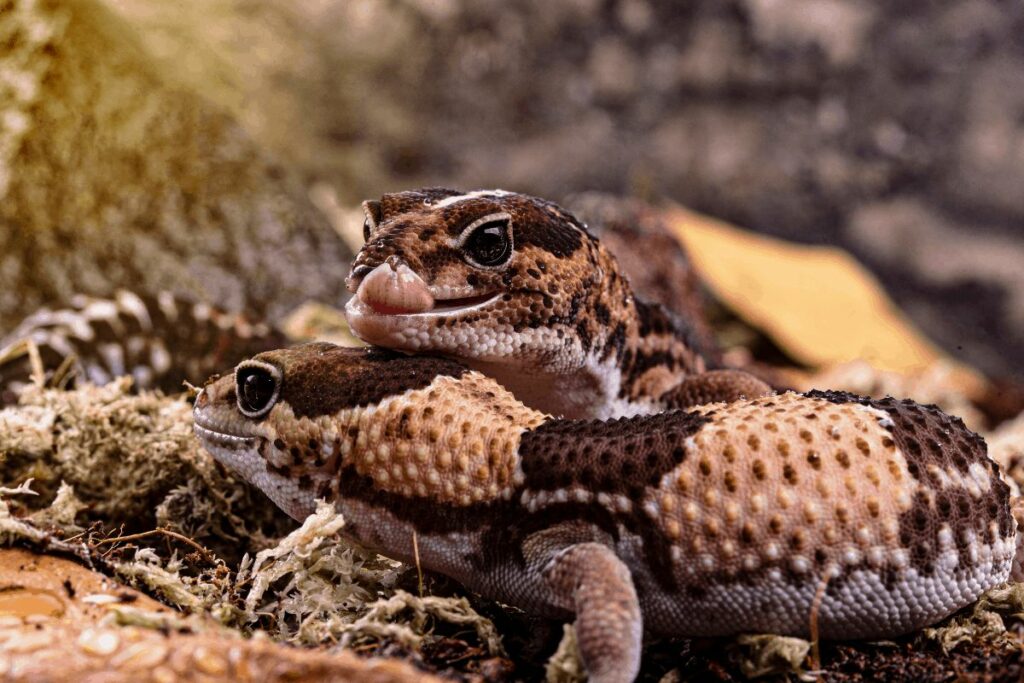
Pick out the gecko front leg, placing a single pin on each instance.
(589, 580)
(714, 386)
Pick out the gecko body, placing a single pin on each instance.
(159, 341)
(718, 520)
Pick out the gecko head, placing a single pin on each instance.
(285, 420)
(486, 275)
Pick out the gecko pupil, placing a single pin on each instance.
(255, 389)
(367, 227)
(489, 245)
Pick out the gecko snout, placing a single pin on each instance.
(355, 278)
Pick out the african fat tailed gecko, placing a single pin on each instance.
(517, 287)
(727, 518)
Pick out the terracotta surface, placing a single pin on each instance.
(52, 628)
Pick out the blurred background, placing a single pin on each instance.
(209, 146)
(220, 149)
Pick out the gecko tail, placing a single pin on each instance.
(158, 341)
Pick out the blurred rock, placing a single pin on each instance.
(114, 175)
(836, 28)
(974, 301)
(785, 116)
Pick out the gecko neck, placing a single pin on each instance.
(629, 353)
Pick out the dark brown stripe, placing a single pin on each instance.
(621, 456)
(337, 377)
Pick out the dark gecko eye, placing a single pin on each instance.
(367, 227)
(257, 386)
(488, 241)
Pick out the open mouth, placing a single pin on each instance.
(453, 305)
(393, 290)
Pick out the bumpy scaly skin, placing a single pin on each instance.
(159, 341)
(727, 518)
(648, 253)
(556, 323)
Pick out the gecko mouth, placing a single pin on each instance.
(209, 432)
(215, 426)
(394, 307)
(440, 307)
(460, 304)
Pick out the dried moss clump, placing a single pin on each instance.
(134, 464)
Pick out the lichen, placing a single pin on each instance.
(766, 654)
(406, 618)
(313, 584)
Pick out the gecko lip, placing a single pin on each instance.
(404, 330)
(460, 304)
(392, 288)
(212, 427)
(210, 431)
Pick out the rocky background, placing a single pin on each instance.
(894, 129)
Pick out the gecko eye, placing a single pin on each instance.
(367, 227)
(258, 385)
(488, 241)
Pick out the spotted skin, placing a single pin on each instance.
(722, 519)
(557, 322)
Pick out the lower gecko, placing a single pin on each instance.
(884, 516)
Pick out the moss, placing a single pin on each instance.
(766, 655)
(984, 622)
(133, 464)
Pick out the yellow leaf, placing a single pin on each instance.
(818, 304)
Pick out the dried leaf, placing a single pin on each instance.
(817, 303)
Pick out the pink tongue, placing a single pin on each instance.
(395, 291)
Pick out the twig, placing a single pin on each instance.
(416, 556)
(65, 372)
(819, 596)
(166, 532)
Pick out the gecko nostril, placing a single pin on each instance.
(356, 276)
